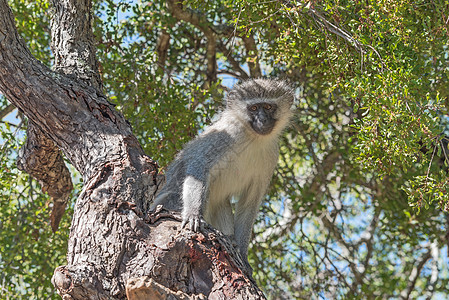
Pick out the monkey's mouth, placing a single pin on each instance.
(263, 128)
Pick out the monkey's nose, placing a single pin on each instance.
(264, 121)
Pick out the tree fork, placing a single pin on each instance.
(74, 55)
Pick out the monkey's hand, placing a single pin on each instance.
(193, 191)
(191, 221)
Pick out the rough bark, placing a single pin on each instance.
(154, 247)
(113, 241)
(72, 41)
(252, 53)
(72, 45)
(40, 158)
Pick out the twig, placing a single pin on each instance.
(6, 111)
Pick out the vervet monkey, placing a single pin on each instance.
(233, 158)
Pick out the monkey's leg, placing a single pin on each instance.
(220, 216)
(245, 215)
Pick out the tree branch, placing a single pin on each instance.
(323, 23)
(74, 55)
(162, 46)
(414, 274)
(8, 109)
(72, 41)
(252, 53)
(67, 109)
(201, 23)
(234, 64)
(40, 158)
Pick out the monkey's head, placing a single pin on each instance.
(263, 104)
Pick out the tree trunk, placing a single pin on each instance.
(116, 248)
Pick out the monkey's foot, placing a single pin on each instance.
(194, 223)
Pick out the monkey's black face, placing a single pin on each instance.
(262, 117)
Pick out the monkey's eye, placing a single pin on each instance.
(253, 107)
(267, 106)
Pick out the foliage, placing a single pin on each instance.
(357, 205)
(33, 23)
(29, 250)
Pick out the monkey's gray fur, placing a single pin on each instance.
(233, 157)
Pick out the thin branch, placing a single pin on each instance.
(343, 34)
(444, 150)
(329, 26)
(368, 239)
(336, 30)
(234, 33)
(18, 127)
(234, 64)
(162, 46)
(267, 17)
(325, 219)
(434, 250)
(229, 73)
(8, 109)
(252, 53)
(430, 162)
(414, 274)
(201, 23)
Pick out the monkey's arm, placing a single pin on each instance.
(193, 198)
(200, 158)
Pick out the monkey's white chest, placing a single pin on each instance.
(241, 170)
